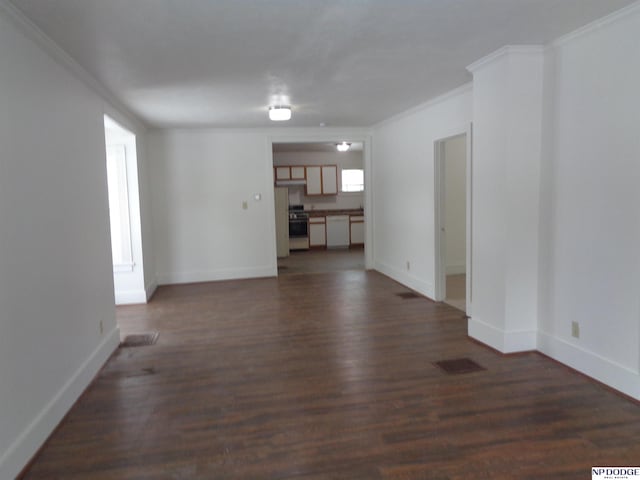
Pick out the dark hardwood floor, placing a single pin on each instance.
(329, 376)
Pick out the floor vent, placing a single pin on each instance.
(459, 365)
(140, 339)
(408, 295)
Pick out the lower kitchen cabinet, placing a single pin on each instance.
(356, 227)
(317, 232)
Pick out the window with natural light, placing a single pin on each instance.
(353, 180)
(119, 205)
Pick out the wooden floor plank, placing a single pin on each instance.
(328, 376)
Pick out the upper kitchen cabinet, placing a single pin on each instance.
(283, 173)
(329, 180)
(297, 173)
(314, 181)
(322, 180)
(289, 173)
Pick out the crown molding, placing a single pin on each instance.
(504, 51)
(33, 32)
(597, 24)
(467, 87)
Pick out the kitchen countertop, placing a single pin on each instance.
(324, 213)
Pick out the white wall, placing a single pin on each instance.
(403, 187)
(590, 235)
(351, 159)
(507, 124)
(455, 166)
(199, 181)
(56, 283)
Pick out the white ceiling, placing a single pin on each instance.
(341, 62)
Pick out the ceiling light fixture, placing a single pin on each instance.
(279, 113)
(343, 147)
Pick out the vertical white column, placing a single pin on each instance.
(507, 117)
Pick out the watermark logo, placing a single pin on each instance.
(615, 473)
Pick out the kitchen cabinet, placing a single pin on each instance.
(317, 232)
(322, 180)
(297, 173)
(356, 230)
(330, 180)
(286, 172)
(283, 173)
(314, 181)
(318, 179)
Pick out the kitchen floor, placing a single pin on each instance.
(322, 261)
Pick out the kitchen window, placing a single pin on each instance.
(352, 180)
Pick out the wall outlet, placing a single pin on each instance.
(101, 327)
(408, 265)
(245, 205)
(575, 329)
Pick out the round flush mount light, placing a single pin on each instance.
(279, 113)
(343, 147)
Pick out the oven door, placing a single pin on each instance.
(298, 228)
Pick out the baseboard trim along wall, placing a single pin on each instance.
(599, 368)
(501, 340)
(130, 297)
(31, 439)
(612, 374)
(485, 333)
(406, 279)
(217, 275)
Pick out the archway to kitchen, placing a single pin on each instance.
(321, 197)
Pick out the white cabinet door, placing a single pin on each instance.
(330, 180)
(283, 173)
(317, 235)
(314, 181)
(357, 233)
(297, 173)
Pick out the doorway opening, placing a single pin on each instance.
(124, 213)
(453, 220)
(319, 195)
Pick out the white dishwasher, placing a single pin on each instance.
(337, 231)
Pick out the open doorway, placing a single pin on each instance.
(452, 163)
(319, 189)
(124, 213)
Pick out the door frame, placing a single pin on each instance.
(439, 214)
(333, 136)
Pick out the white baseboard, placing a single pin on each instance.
(456, 269)
(16, 457)
(520, 341)
(485, 333)
(130, 297)
(503, 341)
(150, 289)
(405, 278)
(593, 365)
(216, 275)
